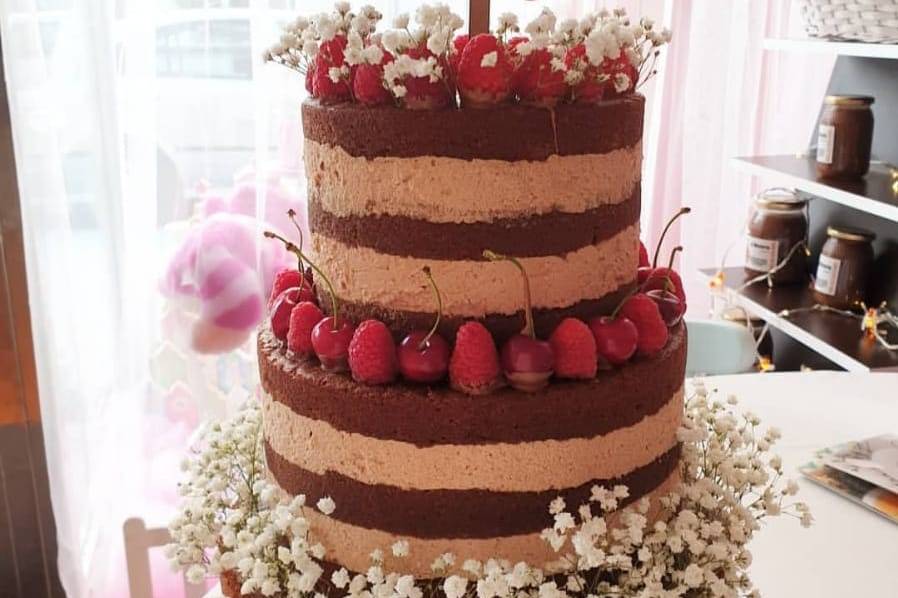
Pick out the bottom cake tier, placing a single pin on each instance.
(470, 475)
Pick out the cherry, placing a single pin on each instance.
(669, 304)
(424, 354)
(330, 341)
(300, 277)
(527, 361)
(423, 359)
(663, 278)
(283, 280)
(281, 307)
(331, 336)
(616, 338)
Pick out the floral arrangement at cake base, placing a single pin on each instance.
(238, 526)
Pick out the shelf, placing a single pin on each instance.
(873, 195)
(833, 47)
(838, 338)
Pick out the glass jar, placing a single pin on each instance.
(778, 223)
(844, 137)
(844, 267)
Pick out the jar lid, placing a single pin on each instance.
(848, 100)
(780, 198)
(849, 233)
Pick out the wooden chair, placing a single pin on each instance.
(138, 541)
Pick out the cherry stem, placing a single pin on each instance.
(624, 300)
(684, 210)
(291, 213)
(492, 256)
(673, 254)
(291, 247)
(436, 324)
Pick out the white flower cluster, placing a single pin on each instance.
(435, 26)
(234, 522)
(605, 35)
(301, 40)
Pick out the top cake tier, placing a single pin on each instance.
(392, 191)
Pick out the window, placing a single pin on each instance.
(205, 49)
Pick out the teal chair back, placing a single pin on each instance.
(718, 347)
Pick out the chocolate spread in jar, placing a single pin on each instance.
(778, 223)
(844, 267)
(844, 137)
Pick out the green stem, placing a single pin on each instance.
(436, 324)
(684, 210)
(296, 250)
(529, 328)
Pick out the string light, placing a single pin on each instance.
(871, 320)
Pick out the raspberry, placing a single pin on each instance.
(592, 86)
(458, 46)
(368, 83)
(303, 319)
(575, 350)
(330, 55)
(619, 66)
(283, 280)
(536, 81)
(484, 71)
(372, 353)
(474, 365)
(422, 93)
(642, 311)
(643, 256)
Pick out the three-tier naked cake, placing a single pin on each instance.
(447, 466)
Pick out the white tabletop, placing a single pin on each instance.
(849, 551)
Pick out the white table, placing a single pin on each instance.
(849, 551)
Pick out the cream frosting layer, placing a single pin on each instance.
(476, 288)
(442, 189)
(350, 546)
(528, 466)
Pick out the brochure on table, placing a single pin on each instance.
(865, 472)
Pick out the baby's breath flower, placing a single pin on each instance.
(400, 548)
(455, 586)
(326, 505)
(489, 59)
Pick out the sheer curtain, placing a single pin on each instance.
(132, 120)
(721, 95)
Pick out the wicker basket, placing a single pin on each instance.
(852, 20)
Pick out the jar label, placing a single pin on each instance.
(826, 135)
(827, 275)
(762, 254)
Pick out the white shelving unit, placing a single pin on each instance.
(832, 47)
(792, 329)
(833, 337)
(874, 195)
